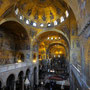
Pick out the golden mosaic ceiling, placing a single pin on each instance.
(41, 13)
(57, 50)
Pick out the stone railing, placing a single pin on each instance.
(8, 67)
(77, 73)
(79, 77)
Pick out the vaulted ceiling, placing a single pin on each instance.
(43, 13)
(80, 8)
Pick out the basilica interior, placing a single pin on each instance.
(44, 44)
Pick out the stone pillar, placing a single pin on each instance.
(83, 67)
(47, 53)
(83, 63)
(15, 85)
(71, 81)
(31, 76)
(23, 83)
(37, 66)
(31, 49)
(37, 75)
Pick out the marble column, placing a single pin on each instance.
(22, 83)
(31, 50)
(83, 63)
(15, 85)
(37, 76)
(83, 68)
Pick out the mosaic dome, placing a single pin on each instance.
(41, 13)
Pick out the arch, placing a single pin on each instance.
(15, 20)
(72, 7)
(17, 38)
(21, 73)
(27, 73)
(21, 56)
(10, 82)
(54, 30)
(12, 19)
(19, 82)
(7, 20)
(57, 44)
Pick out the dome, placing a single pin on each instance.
(41, 13)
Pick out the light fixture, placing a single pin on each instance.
(55, 23)
(27, 21)
(21, 17)
(60, 52)
(34, 61)
(51, 38)
(59, 38)
(59, 56)
(41, 24)
(49, 24)
(56, 52)
(19, 61)
(16, 11)
(52, 71)
(34, 24)
(42, 83)
(55, 37)
(48, 38)
(67, 14)
(61, 19)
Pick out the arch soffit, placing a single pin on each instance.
(58, 44)
(55, 30)
(14, 20)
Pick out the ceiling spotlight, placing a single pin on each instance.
(41, 24)
(34, 24)
(16, 11)
(59, 38)
(48, 37)
(51, 38)
(49, 24)
(27, 21)
(59, 56)
(67, 14)
(61, 19)
(55, 23)
(21, 17)
(55, 37)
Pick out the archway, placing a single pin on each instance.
(28, 74)
(20, 82)
(10, 82)
(27, 80)
(58, 45)
(49, 38)
(53, 41)
(16, 41)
